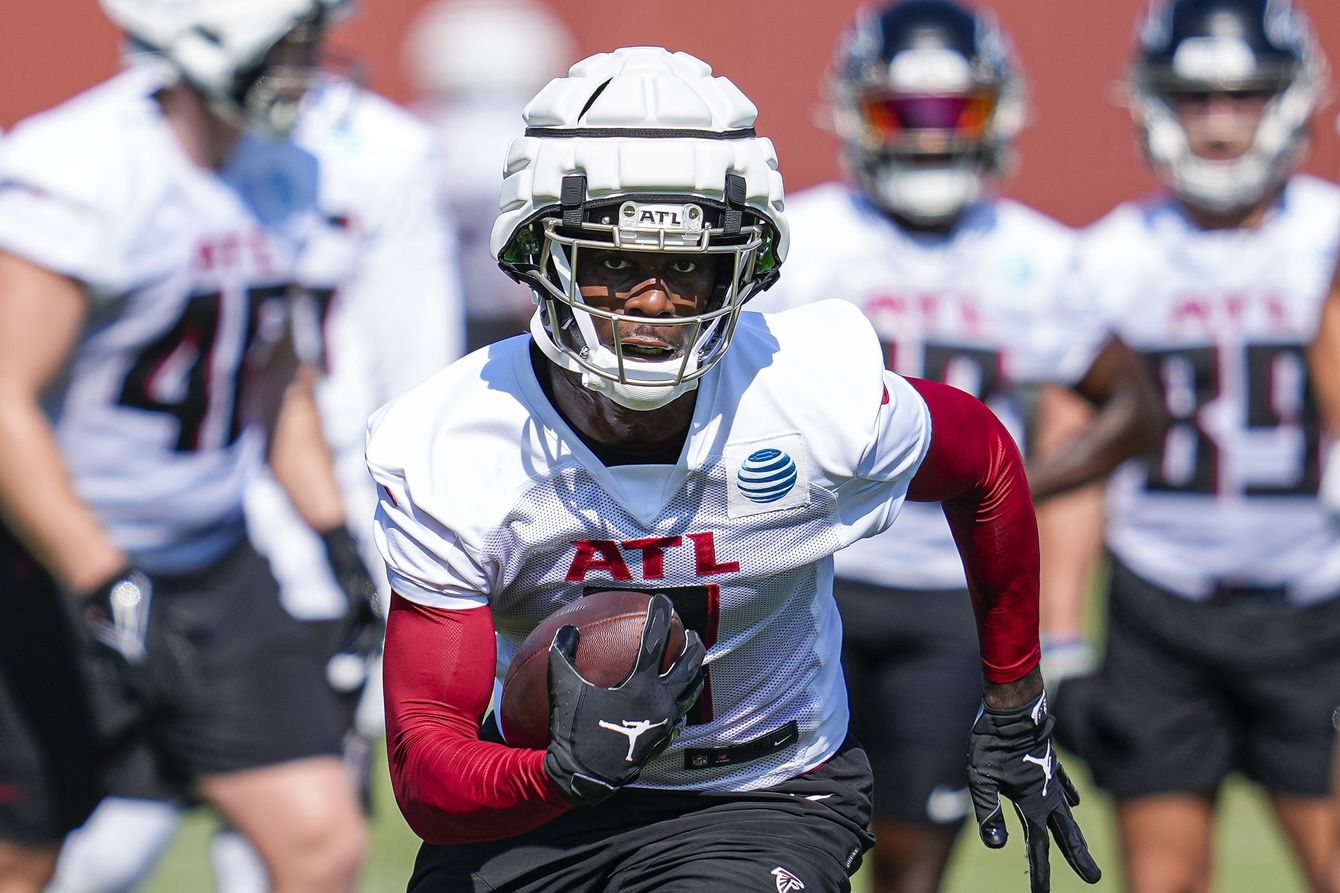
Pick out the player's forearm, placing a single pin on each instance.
(454, 789)
(1324, 360)
(973, 468)
(1013, 695)
(1128, 420)
(1070, 526)
(39, 504)
(451, 786)
(301, 459)
(1070, 529)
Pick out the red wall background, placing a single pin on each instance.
(1077, 156)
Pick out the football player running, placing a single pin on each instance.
(1223, 630)
(648, 435)
(383, 290)
(149, 246)
(965, 288)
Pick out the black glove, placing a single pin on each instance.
(134, 641)
(117, 616)
(365, 624)
(600, 738)
(1010, 752)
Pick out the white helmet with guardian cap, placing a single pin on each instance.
(640, 149)
(220, 48)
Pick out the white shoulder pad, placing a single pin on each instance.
(822, 219)
(816, 369)
(77, 180)
(446, 453)
(365, 125)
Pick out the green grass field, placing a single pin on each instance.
(1251, 856)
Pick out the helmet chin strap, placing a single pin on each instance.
(641, 398)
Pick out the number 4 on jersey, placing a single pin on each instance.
(193, 372)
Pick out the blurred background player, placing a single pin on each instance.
(1223, 631)
(1324, 363)
(381, 279)
(153, 232)
(965, 288)
(474, 64)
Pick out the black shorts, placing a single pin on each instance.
(1190, 691)
(50, 776)
(777, 838)
(259, 694)
(914, 683)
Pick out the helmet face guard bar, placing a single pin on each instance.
(572, 319)
(548, 252)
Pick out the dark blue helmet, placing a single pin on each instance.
(926, 96)
(1258, 47)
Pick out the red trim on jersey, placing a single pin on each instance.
(973, 467)
(451, 786)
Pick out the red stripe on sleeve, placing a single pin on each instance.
(451, 786)
(973, 467)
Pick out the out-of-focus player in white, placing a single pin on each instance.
(154, 232)
(965, 288)
(382, 283)
(1324, 363)
(650, 436)
(1223, 631)
(474, 65)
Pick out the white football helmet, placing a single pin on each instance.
(468, 47)
(927, 98)
(638, 150)
(219, 47)
(1209, 46)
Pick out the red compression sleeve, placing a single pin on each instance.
(974, 469)
(451, 786)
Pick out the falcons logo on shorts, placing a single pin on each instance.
(786, 881)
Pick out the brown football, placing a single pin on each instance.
(610, 624)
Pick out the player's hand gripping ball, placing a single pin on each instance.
(609, 627)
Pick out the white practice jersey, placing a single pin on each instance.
(800, 444)
(186, 273)
(1222, 318)
(383, 280)
(983, 309)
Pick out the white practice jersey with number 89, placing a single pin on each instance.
(1222, 319)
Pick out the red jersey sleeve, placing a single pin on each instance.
(973, 467)
(451, 786)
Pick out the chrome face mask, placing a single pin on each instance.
(566, 325)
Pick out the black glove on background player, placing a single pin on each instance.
(365, 624)
(1010, 752)
(600, 738)
(143, 652)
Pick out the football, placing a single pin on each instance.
(610, 624)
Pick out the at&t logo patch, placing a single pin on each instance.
(767, 475)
